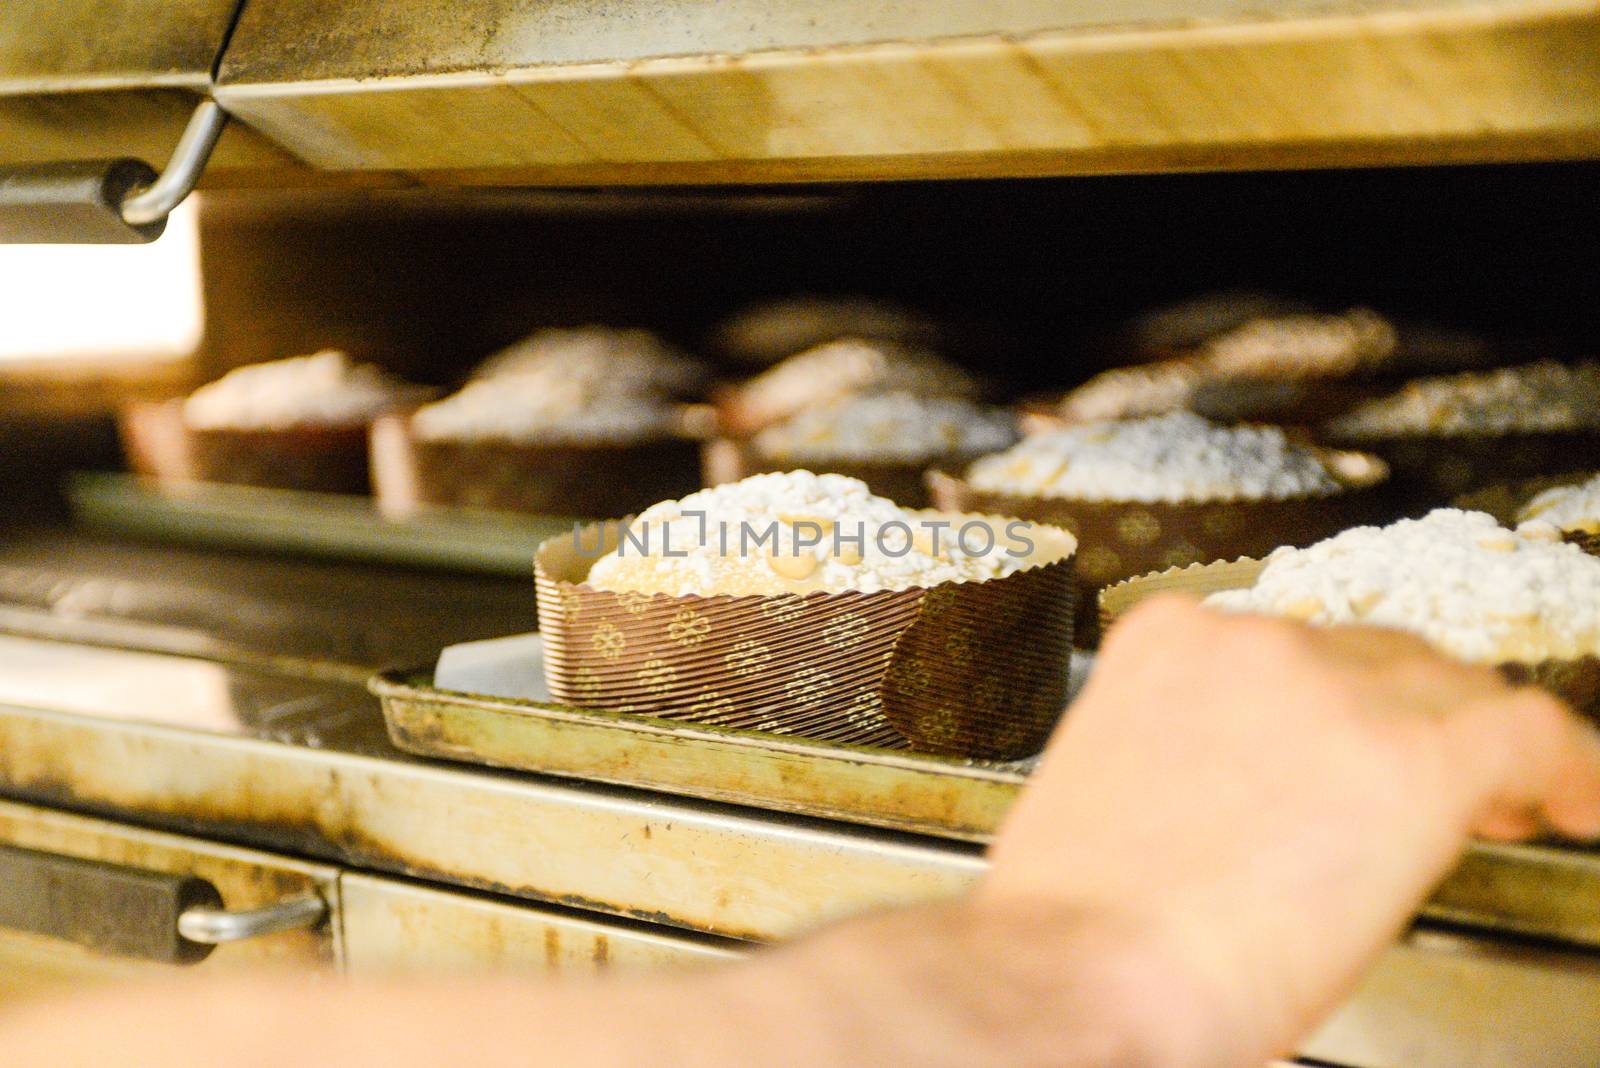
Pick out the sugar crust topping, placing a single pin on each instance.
(325, 389)
(898, 426)
(827, 533)
(1171, 458)
(1460, 580)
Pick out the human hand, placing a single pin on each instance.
(1262, 806)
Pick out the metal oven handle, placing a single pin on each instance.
(110, 201)
(215, 927)
(133, 912)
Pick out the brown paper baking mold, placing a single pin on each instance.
(973, 669)
(161, 445)
(1428, 471)
(409, 473)
(1121, 539)
(1577, 682)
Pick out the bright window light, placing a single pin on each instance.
(135, 302)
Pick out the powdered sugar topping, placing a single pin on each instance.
(1540, 396)
(1174, 457)
(793, 533)
(845, 367)
(324, 389)
(531, 409)
(1303, 345)
(1460, 580)
(1573, 508)
(599, 361)
(898, 426)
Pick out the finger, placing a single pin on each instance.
(1573, 804)
(1524, 749)
(1508, 824)
(1383, 645)
(1158, 615)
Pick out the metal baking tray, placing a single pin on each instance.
(1545, 890)
(877, 787)
(333, 525)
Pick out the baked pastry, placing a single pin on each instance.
(801, 604)
(1446, 435)
(1131, 392)
(835, 370)
(885, 439)
(1296, 367)
(522, 442)
(1187, 324)
(765, 333)
(1175, 457)
(1303, 345)
(1167, 491)
(829, 534)
(1571, 512)
(1289, 367)
(1543, 396)
(299, 423)
(600, 360)
(1471, 587)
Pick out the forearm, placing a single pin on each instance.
(986, 982)
(962, 984)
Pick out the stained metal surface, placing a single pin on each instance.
(587, 92)
(1438, 1000)
(252, 756)
(296, 40)
(269, 760)
(80, 45)
(393, 927)
(87, 79)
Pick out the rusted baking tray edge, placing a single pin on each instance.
(875, 787)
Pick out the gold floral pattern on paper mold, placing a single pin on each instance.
(808, 688)
(782, 610)
(1099, 563)
(608, 641)
(989, 695)
(868, 704)
(586, 685)
(1138, 528)
(845, 631)
(633, 602)
(939, 599)
(959, 644)
(711, 705)
(748, 658)
(1221, 522)
(1181, 554)
(568, 600)
(915, 676)
(688, 628)
(656, 676)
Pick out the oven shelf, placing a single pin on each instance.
(678, 91)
